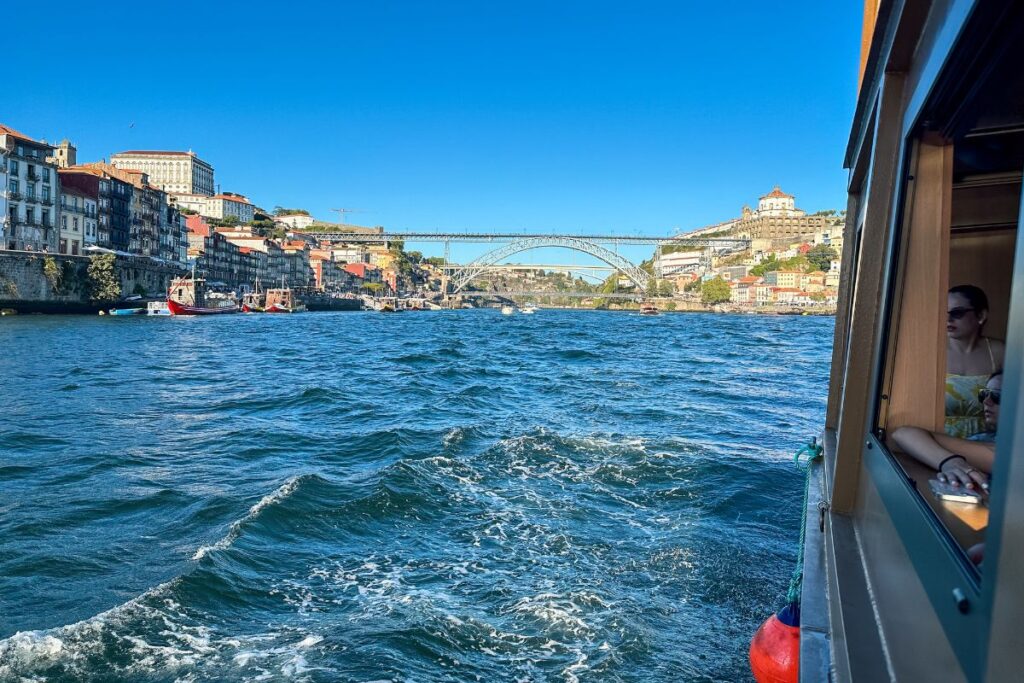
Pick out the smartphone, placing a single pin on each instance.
(955, 494)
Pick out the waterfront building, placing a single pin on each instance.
(295, 221)
(112, 203)
(5, 220)
(364, 271)
(297, 271)
(271, 266)
(32, 187)
(174, 172)
(77, 221)
(219, 260)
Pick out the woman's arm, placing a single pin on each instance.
(935, 450)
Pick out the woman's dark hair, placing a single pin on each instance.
(997, 373)
(974, 295)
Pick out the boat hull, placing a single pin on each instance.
(181, 309)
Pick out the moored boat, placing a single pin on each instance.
(126, 311)
(157, 308)
(282, 300)
(188, 296)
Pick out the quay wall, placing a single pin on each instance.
(37, 282)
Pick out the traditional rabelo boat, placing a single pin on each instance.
(189, 296)
(282, 300)
(254, 301)
(889, 590)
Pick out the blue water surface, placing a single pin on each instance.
(431, 496)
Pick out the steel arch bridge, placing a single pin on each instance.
(465, 275)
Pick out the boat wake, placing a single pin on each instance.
(286, 489)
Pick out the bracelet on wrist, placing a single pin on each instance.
(947, 459)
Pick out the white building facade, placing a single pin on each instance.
(78, 222)
(173, 172)
(295, 221)
(667, 265)
(31, 189)
(778, 204)
(219, 207)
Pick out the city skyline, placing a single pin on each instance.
(458, 117)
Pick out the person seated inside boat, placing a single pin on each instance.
(971, 358)
(959, 462)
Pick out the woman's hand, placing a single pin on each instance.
(958, 472)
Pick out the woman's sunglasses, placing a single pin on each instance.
(986, 394)
(957, 313)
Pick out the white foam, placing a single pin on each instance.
(285, 490)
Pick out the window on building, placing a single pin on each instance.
(63, 222)
(30, 190)
(74, 224)
(46, 175)
(12, 186)
(46, 193)
(14, 168)
(46, 217)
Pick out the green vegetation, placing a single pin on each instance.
(226, 222)
(715, 291)
(184, 211)
(54, 274)
(268, 228)
(104, 285)
(435, 260)
(821, 257)
(282, 211)
(774, 263)
(139, 289)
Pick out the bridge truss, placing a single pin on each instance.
(465, 275)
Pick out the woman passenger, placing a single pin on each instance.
(959, 462)
(971, 358)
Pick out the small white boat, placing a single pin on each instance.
(507, 310)
(528, 309)
(157, 308)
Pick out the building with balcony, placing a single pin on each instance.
(32, 188)
(78, 221)
(174, 172)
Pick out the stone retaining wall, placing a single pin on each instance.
(36, 282)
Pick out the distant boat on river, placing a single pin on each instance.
(188, 296)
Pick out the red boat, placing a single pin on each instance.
(282, 301)
(187, 296)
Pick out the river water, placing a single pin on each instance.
(435, 496)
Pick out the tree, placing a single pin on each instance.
(715, 291)
(821, 257)
(282, 211)
(104, 284)
(226, 222)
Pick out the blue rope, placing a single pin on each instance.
(813, 451)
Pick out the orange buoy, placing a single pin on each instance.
(775, 648)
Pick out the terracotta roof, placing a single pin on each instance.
(777, 193)
(232, 198)
(7, 130)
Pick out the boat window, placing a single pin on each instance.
(949, 302)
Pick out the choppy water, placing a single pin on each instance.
(424, 497)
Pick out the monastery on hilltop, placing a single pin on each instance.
(776, 219)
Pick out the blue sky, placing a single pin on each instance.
(640, 117)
